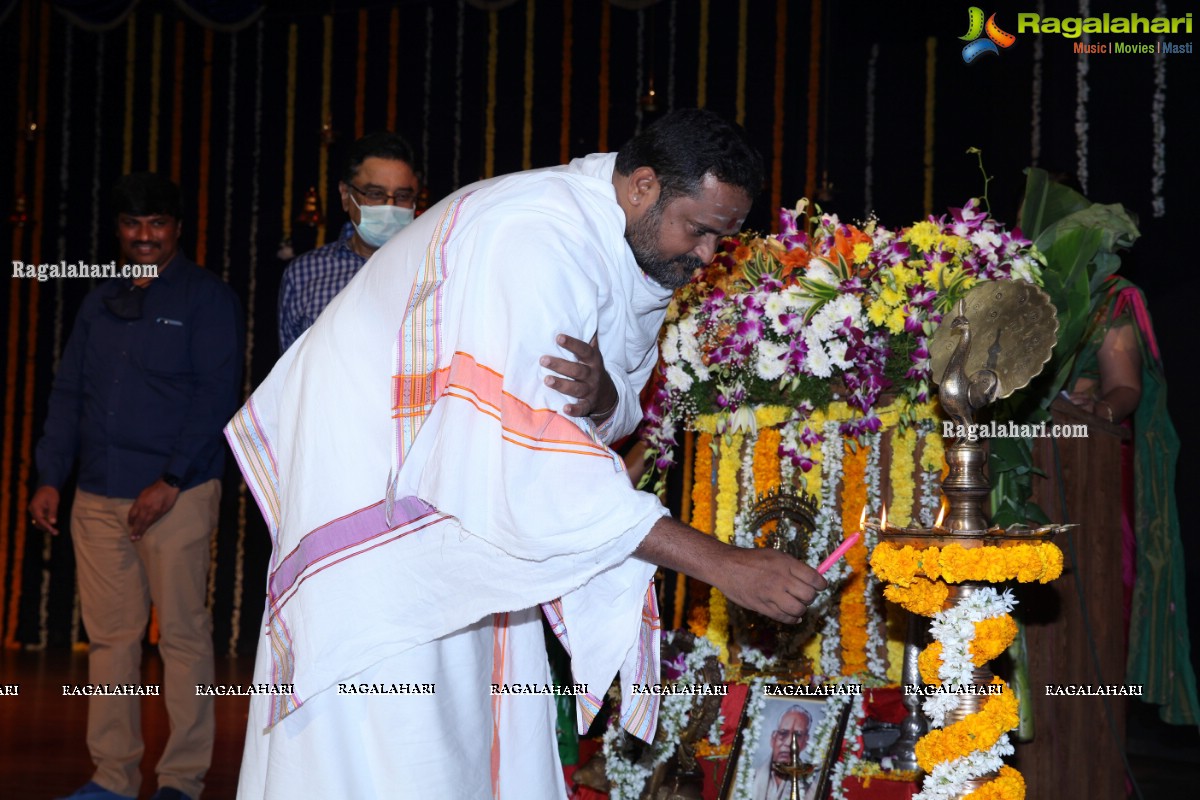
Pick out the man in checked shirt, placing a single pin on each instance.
(379, 194)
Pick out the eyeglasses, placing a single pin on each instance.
(786, 734)
(377, 197)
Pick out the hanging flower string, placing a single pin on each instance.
(853, 600)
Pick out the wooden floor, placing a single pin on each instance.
(43, 753)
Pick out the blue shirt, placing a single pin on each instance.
(311, 281)
(135, 399)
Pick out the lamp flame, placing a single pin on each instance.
(883, 519)
(941, 514)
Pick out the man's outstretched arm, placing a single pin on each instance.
(762, 580)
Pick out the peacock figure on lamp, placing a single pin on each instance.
(999, 339)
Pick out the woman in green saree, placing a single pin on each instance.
(1119, 378)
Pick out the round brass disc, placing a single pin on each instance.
(1014, 327)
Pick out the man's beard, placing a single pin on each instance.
(643, 241)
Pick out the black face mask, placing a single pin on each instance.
(127, 302)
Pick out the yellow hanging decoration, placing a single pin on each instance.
(853, 616)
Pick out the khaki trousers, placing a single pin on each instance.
(117, 580)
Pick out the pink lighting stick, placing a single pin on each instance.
(839, 552)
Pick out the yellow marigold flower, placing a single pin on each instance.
(877, 312)
(895, 564)
(931, 562)
(891, 296)
(861, 251)
(895, 321)
(958, 244)
(923, 597)
(992, 637)
(923, 235)
(929, 662)
(1009, 785)
(904, 276)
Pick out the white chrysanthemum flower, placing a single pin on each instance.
(822, 324)
(817, 360)
(847, 305)
(818, 271)
(770, 364)
(775, 304)
(837, 353)
(678, 379)
(670, 344)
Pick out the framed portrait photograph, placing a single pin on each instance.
(762, 761)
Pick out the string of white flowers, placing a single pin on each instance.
(931, 481)
(869, 157)
(790, 433)
(1158, 203)
(949, 779)
(743, 786)
(628, 778)
(873, 592)
(954, 629)
(1081, 101)
(749, 491)
(1035, 103)
(823, 738)
(832, 452)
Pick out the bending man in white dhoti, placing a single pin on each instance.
(425, 495)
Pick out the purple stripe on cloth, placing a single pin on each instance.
(349, 531)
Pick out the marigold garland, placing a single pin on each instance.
(921, 596)
(904, 445)
(992, 637)
(853, 607)
(702, 489)
(1010, 785)
(1041, 562)
(766, 461)
(730, 455)
(718, 623)
(977, 732)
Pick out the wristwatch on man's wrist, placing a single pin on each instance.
(171, 480)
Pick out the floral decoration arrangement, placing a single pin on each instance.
(801, 318)
(968, 634)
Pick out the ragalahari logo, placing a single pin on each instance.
(976, 46)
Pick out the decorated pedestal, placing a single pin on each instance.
(944, 572)
(794, 392)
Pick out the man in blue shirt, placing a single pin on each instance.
(379, 194)
(149, 376)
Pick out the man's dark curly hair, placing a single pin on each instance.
(145, 194)
(689, 143)
(381, 144)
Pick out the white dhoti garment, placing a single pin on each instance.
(424, 497)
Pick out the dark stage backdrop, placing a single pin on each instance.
(867, 105)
